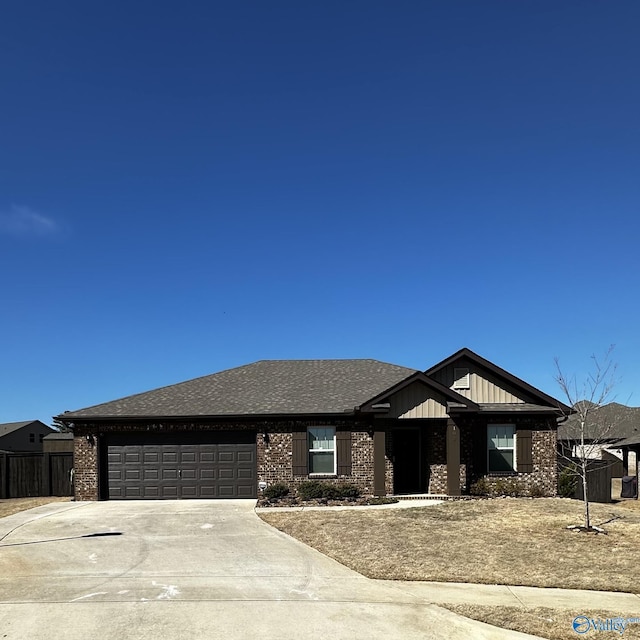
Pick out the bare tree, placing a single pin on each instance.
(586, 428)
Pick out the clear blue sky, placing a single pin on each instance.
(191, 186)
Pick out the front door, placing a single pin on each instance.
(407, 461)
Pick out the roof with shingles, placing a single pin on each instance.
(10, 427)
(266, 387)
(609, 422)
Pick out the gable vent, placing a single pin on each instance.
(461, 378)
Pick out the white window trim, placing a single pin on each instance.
(514, 448)
(325, 474)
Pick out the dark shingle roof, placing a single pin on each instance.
(609, 422)
(10, 427)
(264, 387)
(67, 435)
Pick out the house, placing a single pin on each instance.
(23, 436)
(383, 427)
(608, 427)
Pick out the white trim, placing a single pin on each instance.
(514, 448)
(332, 450)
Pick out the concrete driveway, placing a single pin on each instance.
(192, 569)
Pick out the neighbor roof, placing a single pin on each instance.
(609, 422)
(267, 387)
(10, 427)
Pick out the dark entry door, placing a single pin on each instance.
(407, 461)
(174, 466)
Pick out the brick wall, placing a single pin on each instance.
(273, 450)
(85, 463)
(543, 480)
(274, 453)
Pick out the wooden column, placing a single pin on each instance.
(625, 461)
(453, 458)
(379, 459)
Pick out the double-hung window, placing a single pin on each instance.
(322, 450)
(501, 440)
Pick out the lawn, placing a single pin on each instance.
(516, 541)
(14, 505)
(555, 624)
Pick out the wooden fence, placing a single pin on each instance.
(599, 474)
(25, 475)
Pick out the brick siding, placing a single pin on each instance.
(274, 453)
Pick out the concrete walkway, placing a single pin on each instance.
(188, 569)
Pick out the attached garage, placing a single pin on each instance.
(181, 465)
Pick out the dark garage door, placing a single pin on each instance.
(182, 465)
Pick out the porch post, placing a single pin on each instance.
(453, 458)
(379, 467)
(625, 461)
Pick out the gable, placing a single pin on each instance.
(490, 384)
(484, 386)
(417, 400)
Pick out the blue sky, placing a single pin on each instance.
(188, 187)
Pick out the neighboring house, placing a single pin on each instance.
(607, 428)
(386, 428)
(23, 436)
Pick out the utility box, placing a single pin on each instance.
(629, 487)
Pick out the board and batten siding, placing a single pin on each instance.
(483, 387)
(417, 401)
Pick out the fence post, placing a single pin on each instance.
(46, 473)
(4, 475)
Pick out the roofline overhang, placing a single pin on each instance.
(70, 421)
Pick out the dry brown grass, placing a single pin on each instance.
(555, 624)
(14, 505)
(515, 541)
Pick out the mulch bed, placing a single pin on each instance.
(294, 501)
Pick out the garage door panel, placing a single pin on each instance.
(182, 465)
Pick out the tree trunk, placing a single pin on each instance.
(585, 497)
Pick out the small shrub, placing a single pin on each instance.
(567, 483)
(310, 489)
(480, 487)
(508, 487)
(276, 490)
(314, 490)
(536, 492)
(348, 491)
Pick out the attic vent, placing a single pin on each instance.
(461, 379)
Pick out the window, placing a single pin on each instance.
(322, 450)
(32, 437)
(461, 378)
(501, 444)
